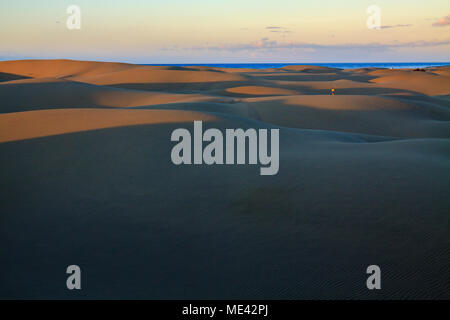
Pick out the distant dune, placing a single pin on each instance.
(86, 178)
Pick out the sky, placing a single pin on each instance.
(227, 31)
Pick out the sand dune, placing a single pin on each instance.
(86, 178)
(34, 124)
(422, 82)
(151, 75)
(261, 91)
(376, 115)
(309, 69)
(42, 93)
(60, 68)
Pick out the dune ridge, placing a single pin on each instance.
(86, 176)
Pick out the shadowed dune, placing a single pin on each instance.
(30, 94)
(9, 76)
(260, 91)
(86, 178)
(375, 115)
(35, 124)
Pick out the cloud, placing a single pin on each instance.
(442, 22)
(267, 44)
(396, 26)
(281, 31)
(278, 29)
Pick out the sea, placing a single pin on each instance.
(388, 65)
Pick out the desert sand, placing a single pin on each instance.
(86, 178)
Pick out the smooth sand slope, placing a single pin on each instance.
(86, 178)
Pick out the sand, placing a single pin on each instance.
(86, 178)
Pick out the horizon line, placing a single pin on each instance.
(246, 62)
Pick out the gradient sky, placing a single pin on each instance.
(208, 31)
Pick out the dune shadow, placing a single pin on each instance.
(10, 76)
(112, 202)
(180, 87)
(296, 76)
(427, 123)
